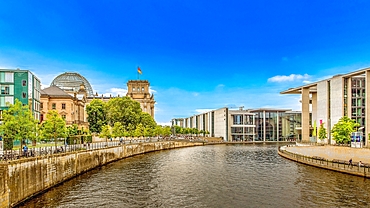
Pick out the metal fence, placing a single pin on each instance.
(353, 167)
(60, 149)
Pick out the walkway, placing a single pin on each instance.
(333, 152)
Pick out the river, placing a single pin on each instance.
(233, 175)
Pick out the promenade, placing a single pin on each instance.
(333, 152)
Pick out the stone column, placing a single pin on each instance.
(367, 107)
(305, 114)
(314, 114)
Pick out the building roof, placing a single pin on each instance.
(54, 91)
(72, 81)
(313, 86)
(269, 109)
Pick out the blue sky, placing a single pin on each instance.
(197, 55)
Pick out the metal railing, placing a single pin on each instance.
(7, 155)
(353, 167)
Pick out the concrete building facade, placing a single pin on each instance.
(330, 99)
(22, 85)
(246, 125)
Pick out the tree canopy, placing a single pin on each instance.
(342, 130)
(96, 115)
(18, 124)
(54, 127)
(124, 110)
(322, 132)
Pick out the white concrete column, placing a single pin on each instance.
(264, 125)
(314, 114)
(367, 107)
(305, 115)
(349, 97)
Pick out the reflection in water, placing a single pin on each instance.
(209, 176)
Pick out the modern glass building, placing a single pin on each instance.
(326, 101)
(246, 125)
(21, 85)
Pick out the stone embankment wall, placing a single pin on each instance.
(334, 165)
(24, 178)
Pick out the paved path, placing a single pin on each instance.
(333, 152)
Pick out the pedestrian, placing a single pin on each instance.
(25, 150)
(350, 162)
(360, 164)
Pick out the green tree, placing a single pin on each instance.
(106, 132)
(96, 115)
(54, 127)
(158, 130)
(72, 130)
(166, 131)
(195, 131)
(124, 110)
(118, 130)
(147, 120)
(139, 131)
(18, 124)
(342, 130)
(178, 129)
(148, 131)
(322, 132)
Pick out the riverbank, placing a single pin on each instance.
(333, 158)
(24, 178)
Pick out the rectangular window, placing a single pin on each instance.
(9, 77)
(53, 106)
(9, 100)
(41, 105)
(24, 95)
(64, 117)
(24, 83)
(5, 90)
(63, 106)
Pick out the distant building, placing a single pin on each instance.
(231, 125)
(330, 99)
(276, 124)
(138, 90)
(22, 85)
(71, 82)
(71, 106)
(246, 125)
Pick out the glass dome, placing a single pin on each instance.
(71, 81)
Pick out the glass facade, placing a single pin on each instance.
(242, 127)
(358, 100)
(277, 125)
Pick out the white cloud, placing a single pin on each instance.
(164, 123)
(151, 91)
(115, 92)
(290, 78)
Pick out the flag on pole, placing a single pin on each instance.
(139, 70)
